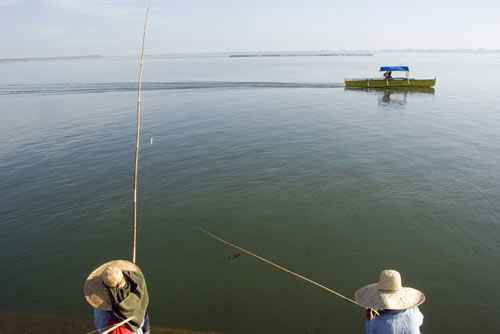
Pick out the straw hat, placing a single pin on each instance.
(107, 275)
(389, 293)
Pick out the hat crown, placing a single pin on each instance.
(389, 280)
(112, 276)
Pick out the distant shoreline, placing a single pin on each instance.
(22, 60)
(336, 54)
(458, 51)
(324, 53)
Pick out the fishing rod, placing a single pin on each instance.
(134, 229)
(284, 269)
(109, 330)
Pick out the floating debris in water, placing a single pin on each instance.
(234, 256)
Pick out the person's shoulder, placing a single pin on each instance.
(414, 312)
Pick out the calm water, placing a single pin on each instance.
(271, 154)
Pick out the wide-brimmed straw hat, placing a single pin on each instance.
(96, 288)
(389, 293)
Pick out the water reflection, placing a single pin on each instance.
(394, 97)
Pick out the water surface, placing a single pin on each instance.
(271, 154)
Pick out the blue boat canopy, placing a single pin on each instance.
(394, 68)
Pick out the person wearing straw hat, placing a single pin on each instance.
(117, 290)
(398, 305)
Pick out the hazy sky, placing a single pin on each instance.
(42, 28)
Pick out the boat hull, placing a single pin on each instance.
(375, 83)
(393, 89)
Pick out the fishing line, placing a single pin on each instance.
(282, 268)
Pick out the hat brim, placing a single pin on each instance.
(96, 293)
(405, 298)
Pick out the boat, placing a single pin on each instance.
(388, 81)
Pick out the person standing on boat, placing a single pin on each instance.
(397, 305)
(117, 290)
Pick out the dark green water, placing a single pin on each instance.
(270, 154)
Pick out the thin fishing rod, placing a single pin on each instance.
(118, 325)
(134, 233)
(284, 269)
(111, 328)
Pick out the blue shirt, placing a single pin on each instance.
(396, 322)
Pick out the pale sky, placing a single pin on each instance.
(44, 28)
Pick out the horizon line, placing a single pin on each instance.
(319, 52)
